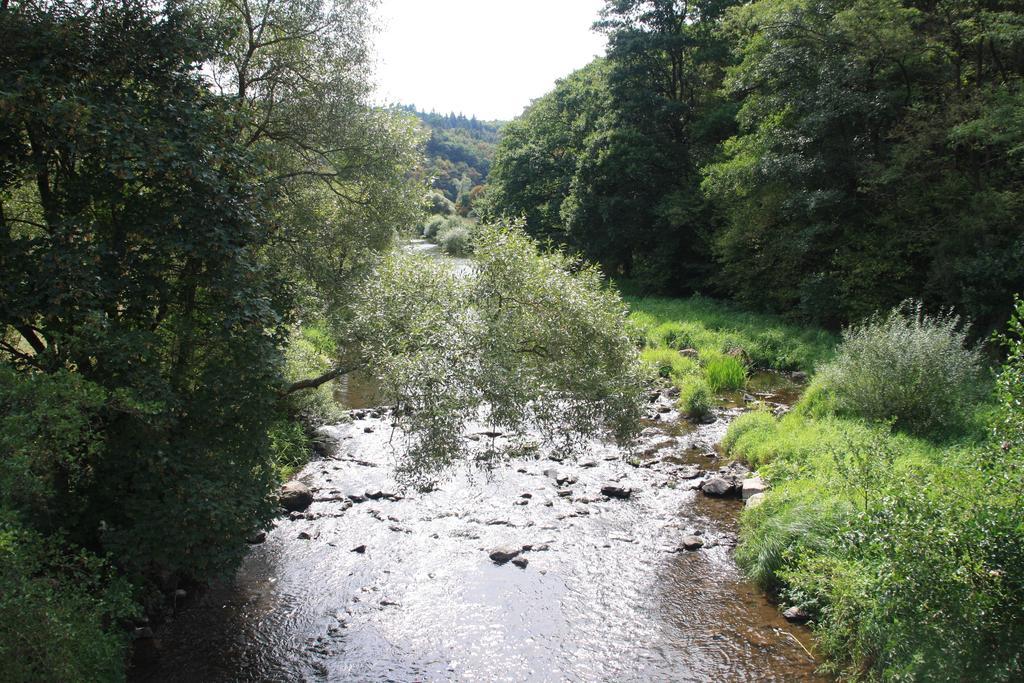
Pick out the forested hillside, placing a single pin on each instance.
(460, 152)
(820, 159)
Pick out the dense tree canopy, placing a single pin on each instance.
(879, 157)
(820, 159)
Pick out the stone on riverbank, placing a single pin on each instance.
(295, 496)
(755, 500)
(753, 486)
(796, 615)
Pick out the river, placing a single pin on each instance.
(376, 583)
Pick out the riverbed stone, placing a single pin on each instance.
(295, 496)
(504, 553)
(753, 486)
(796, 615)
(520, 562)
(689, 472)
(617, 491)
(717, 487)
(257, 538)
(561, 477)
(691, 542)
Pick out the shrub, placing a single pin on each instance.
(437, 203)
(694, 397)
(907, 366)
(725, 373)
(455, 238)
(432, 225)
(60, 611)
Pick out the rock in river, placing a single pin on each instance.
(718, 487)
(295, 496)
(504, 553)
(561, 477)
(520, 562)
(692, 542)
(616, 491)
(796, 615)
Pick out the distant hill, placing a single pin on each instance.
(460, 152)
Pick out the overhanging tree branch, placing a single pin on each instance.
(314, 382)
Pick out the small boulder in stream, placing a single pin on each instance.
(561, 477)
(691, 542)
(504, 553)
(718, 487)
(295, 496)
(616, 491)
(796, 615)
(520, 562)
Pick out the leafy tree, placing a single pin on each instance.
(523, 341)
(335, 170)
(608, 163)
(878, 157)
(129, 245)
(537, 158)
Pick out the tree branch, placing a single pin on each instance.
(314, 382)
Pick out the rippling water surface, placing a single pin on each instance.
(606, 594)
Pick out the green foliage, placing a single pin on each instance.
(908, 366)
(711, 326)
(908, 554)
(524, 339)
(290, 448)
(724, 373)
(460, 152)
(695, 397)
(57, 604)
(668, 364)
(795, 520)
(456, 237)
(432, 226)
(866, 172)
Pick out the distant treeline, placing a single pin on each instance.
(459, 152)
(822, 159)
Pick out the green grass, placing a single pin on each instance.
(902, 548)
(667, 363)
(710, 326)
(724, 373)
(695, 396)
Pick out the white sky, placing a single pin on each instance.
(487, 58)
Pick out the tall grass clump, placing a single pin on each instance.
(695, 397)
(907, 366)
(725, 373)
(668, 364)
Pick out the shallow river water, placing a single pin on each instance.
(606, 595)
